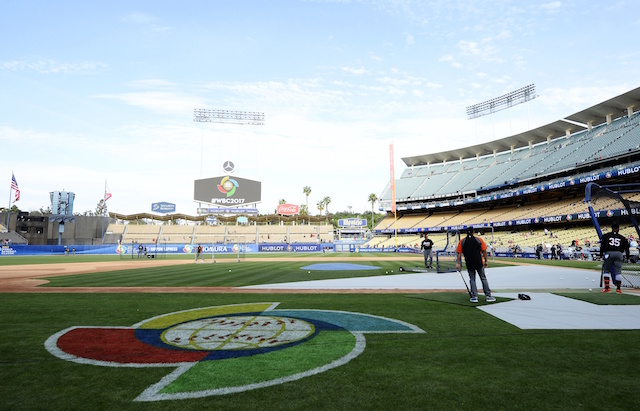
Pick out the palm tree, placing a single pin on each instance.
(307, 190)
(320, 206)
(326, 201)
(373, 198)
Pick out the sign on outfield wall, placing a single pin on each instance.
(227, 191)
(226, 210)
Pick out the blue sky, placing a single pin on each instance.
(105, 91)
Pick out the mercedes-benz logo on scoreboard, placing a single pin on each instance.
(228, 167)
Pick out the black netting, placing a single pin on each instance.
(631, 275)
(617, 204)
(620, 204)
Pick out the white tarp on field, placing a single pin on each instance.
(543, 311)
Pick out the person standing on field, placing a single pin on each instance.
(426, 248)
(474, 250)
(199, 253)
(612, 245)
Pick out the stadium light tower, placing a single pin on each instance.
(205, 115)
(505, 101)
(500, 103)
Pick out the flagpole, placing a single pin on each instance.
(9, 208)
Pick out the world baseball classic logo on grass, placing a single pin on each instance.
(226, 349)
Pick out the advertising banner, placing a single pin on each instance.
(352, 222)
(288, 209)
(301, 248)
(131, 251)
(163, 207)
(226, 210)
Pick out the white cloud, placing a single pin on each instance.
(484, 51)
(553, 6)
(50, 66)
(451, 60)
(145, 20)
(140, 18)
(162, 102)
(151, 83)
(469, 47)
(373, 56)
(354, 70)
(410, 40)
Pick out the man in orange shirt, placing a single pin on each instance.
(474, 250)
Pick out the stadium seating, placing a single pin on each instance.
(325, 233)
(440, 180)
(205, 234)
(411, 221)
(241, 234)
(303, 234)
(113, 234)
(140, 233)
(12, 237)
(272, 234)
(503, 241)
(176, 234)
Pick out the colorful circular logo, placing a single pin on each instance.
(228, 186)
(226, 349)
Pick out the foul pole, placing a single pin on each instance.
(393, 197)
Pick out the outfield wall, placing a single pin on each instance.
(132, 250)
(153, 252)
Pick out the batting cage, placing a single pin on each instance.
(620, 204)
(446, 257)
(216, 246)
(136, 250)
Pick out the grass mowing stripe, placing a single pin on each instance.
(213, 275)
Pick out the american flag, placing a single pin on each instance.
(14, 186)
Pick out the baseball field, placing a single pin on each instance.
(100, 333)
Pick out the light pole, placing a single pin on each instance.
(205, 115)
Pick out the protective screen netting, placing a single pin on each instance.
(619, 204)
(446, 257)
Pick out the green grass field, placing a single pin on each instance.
(465, 359)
